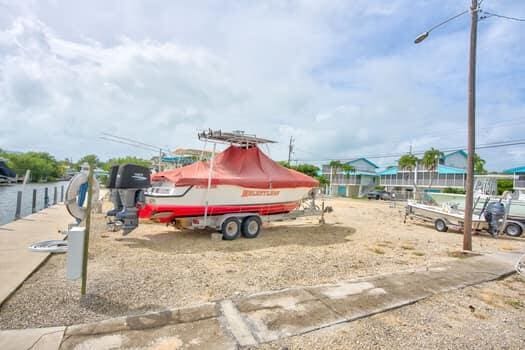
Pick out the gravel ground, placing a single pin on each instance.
(487, 316)
(157, 266)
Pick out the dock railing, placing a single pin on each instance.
(35, 194)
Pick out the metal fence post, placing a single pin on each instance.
(55, 195)
(18, 205)
(33, 203)
(62, 193)
(46, 198)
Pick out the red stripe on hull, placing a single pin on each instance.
(150, 210)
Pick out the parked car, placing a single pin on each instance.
(384, 195)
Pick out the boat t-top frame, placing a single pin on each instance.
(236, 137)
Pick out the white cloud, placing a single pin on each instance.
(337, 76)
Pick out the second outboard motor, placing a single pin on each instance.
(494, 215)
(130, 182)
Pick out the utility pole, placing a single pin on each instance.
(290, 150)
(471, 123)
(160, 159)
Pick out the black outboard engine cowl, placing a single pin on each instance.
(494, 215)
(130, 182)
(114, 195)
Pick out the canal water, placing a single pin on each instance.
(8, 196)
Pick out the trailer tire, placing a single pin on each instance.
(440, 225)
(513, 229)
(251, 226)
(231, 229)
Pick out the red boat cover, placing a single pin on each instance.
(240, 167)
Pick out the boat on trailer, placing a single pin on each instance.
(489, 214)
(239, 182)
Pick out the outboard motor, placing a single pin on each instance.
(494, 215)
(128, 193)
(113, 192)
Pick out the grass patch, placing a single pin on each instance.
(407, 247)
(377, 250)
(418, 253)
(515, 303)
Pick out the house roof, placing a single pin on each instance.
(364, 159)
(358, 172)
(388, 171)
(519, 169)
(462, 152)
(442, 169)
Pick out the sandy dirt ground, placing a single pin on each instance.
(158, 266)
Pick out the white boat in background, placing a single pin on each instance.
(516, 209)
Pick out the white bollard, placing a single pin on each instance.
(75, 250)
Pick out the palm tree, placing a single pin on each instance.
(479, 165)
(347, 169)
(408, 162)
(335, 166)
(430, 161)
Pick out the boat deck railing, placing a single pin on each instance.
(519, 183)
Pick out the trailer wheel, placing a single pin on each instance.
(440, 225)
(251, 226)
(231, 229)
(513, 229)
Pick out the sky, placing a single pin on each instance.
(343, 78)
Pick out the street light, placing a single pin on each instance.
(424, 35)
(471, 119)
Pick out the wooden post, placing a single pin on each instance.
(55, 196)
(18, 205)
(62, 194)
(87, 221)
(46, 198)
(33, 204)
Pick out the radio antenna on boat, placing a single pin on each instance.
(236, 137)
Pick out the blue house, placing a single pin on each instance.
(519, 179)
(457, 159)
(355, 183)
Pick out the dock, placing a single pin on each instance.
(17, 262)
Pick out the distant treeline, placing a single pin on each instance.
(44, 167)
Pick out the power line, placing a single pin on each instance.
(131, 141)
(129, 144)
(394, 155)
(490, 14)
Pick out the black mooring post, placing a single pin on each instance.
(62, 193)
(33, 204)
(46, 198)
(18, 205)
(55, 195)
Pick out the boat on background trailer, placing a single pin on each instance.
(490, 214)
(7, 176)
